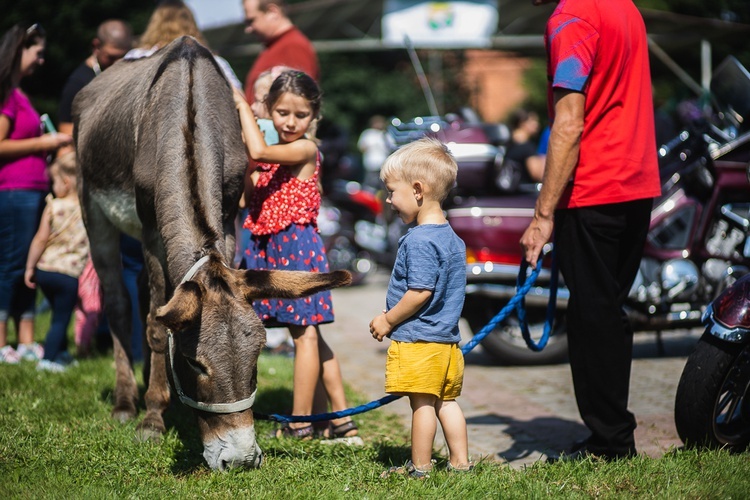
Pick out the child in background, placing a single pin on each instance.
(283, 210)
(423, 305)
(56, 259)
(263, 118)
(88, 309)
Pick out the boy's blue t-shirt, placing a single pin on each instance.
(430, 257)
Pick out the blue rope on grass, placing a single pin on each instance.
(517, 302)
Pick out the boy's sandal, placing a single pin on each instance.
(408, 469)
(303, 433)
(347, 429)
(461, 468)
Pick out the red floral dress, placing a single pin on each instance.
(282, 217)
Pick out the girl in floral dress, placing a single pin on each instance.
(283, 208)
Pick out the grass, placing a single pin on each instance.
(57, 440)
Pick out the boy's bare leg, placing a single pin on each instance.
(454, 428)
(423, 428)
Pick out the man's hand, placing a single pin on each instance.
(535, 237)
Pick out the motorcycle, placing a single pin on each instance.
(356, 233)
(360, 232)
(697, 243)
(711, 404)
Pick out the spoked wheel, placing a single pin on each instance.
(712, 407)
(506, 344)
(344, 254)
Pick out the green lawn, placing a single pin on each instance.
(57, 440)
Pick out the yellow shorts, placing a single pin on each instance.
(426, 368)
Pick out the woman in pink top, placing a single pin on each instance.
(23, 183)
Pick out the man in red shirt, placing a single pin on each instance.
(285, 44)
(600, 179)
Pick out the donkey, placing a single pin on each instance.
(161, 158)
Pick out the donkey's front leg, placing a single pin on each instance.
(157, 395)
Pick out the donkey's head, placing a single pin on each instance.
(215, 338)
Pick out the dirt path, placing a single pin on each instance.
(514, 414)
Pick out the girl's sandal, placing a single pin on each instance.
(302, 433)
(347, 429)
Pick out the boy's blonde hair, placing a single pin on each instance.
(426, 160)
(66, 164)
(263, 83)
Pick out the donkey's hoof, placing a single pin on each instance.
(146, 434)
(123, 416)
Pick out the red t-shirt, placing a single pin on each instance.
(599, 48)
(291, 48)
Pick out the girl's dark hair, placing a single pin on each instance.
(12, 44)
(298, 83)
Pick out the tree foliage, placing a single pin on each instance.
(359, 85)
(356, 85)
(70, 27)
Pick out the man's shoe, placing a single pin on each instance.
(583, 453)
(574, 456)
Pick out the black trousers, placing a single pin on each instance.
(599, 251)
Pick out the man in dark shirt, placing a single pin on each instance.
(113, 39)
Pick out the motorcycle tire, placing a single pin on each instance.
(506, 344)
(712, 408)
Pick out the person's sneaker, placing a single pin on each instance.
(46, 365)
(66, 359)
(9, 355)
(30, 352)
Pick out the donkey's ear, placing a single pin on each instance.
(183, 309)
(290, 284)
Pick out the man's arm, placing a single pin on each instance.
(562, 158)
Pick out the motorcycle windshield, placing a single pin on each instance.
(730, 89)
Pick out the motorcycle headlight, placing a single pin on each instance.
(679, 277)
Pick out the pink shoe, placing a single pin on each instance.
(30, 352)
(9, 355)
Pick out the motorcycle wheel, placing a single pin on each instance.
(712, 407)
(506, 344)
(343, 254)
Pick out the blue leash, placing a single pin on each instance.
(523, 286)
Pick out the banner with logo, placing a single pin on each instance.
(459, 24)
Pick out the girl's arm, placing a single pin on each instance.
(15, 148)
(38, 244)
(410, 303)
(300, 152)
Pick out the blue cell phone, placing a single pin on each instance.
(48, 125)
